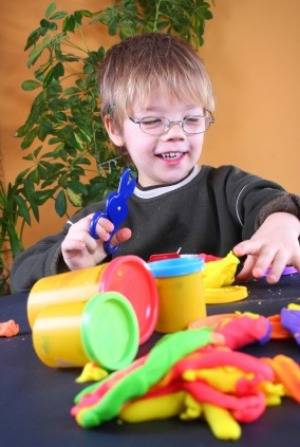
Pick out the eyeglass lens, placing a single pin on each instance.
(190, 124)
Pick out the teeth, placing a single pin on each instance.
(171, 155)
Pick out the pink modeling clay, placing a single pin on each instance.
(238, 329)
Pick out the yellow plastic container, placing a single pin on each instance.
(103, 330)
(128, 275)
(180, 292)
(69, 287)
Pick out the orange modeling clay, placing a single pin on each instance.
(9, 328)
(287, 372)
(278, 332)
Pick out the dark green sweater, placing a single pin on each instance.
(210, 211)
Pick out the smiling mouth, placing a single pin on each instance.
(171, 156)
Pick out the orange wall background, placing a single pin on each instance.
(252, 53)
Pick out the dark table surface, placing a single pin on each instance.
(35, 400)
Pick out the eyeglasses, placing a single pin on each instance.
(158, 125)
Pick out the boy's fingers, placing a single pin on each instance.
(246, 271)
(121, 236)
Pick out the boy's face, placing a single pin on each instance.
(160, 159)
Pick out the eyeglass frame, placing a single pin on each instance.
(210, 119)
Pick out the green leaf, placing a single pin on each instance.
(37, 151)
(15, 242)
(30, 195)
(61, 203)
(208, 15)
(74, 198)
(69, 24)
(32, 39)
(85, 13)
(30, 85)
(44, 195)
(29, 157)
(46, 25)
(37, 50)
(21, 175)
(113, 27)
(50, 10)
(28, 139)
(23, 209)
(78, 17)
(78, 187)
(58, 15)
(41, 70)
(72, 91)
(58, 70)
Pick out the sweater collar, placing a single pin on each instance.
(156, 191)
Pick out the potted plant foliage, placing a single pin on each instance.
(70, 159)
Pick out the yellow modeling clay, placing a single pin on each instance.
(91, 372)
(158, 407)
(221, 272)
(221, 422)
(217, 278)
(225, 294)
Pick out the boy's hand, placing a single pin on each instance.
(80, 249)
(275, 244)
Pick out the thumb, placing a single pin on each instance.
(123, 235)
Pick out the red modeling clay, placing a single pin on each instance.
(238, 329)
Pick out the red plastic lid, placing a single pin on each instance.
(132, 277)
(162, 256)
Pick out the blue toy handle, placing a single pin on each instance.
(94, 222)
(116, 209)
(108, 248)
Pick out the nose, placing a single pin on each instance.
(175, 130)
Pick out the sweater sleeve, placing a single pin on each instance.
(44, 258)
(287, 203)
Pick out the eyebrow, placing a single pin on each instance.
(162, 111)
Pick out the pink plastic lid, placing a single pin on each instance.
(132, 277)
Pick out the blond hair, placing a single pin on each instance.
(137, 65)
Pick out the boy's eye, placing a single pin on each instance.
(193, 120)
(194, 124)
(151, 121)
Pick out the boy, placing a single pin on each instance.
(157, 103)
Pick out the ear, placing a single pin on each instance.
(115, 136)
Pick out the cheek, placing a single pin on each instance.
(199, 142)
(138, 143)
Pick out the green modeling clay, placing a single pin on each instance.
(106, 401)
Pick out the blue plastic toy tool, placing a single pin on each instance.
(116, 208)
